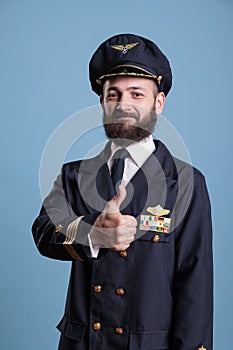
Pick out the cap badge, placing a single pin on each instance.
(156, 222)
(124, 48)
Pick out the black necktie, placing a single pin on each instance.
(118, 167)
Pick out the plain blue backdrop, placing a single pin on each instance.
(45, 47)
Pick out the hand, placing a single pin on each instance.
(112, 229)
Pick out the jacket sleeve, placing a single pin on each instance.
(58, 232)
(193, 284)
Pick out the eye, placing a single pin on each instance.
(112, 96)
(137, 94)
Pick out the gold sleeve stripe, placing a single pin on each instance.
(71, 232)
(72, 252)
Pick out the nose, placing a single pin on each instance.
(124, 103)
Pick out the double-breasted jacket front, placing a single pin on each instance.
(157, 294)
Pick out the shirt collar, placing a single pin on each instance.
(139, 151)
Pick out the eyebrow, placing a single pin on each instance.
(129, 88)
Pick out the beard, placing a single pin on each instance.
(125, 133)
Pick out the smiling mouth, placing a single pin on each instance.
(126, 118)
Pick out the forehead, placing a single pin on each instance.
(123, 83)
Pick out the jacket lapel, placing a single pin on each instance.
(94, 182)
(152, 184)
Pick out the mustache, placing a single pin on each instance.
(117, 114)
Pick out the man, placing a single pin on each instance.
(134, 221)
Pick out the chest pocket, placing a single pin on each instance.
(71, 329)
(154, 253)
(149, 340)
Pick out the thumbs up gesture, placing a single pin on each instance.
(112, 229)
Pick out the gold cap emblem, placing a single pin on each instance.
(124, 48)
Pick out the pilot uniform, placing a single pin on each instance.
(157, 294)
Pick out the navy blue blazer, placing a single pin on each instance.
(158, 293)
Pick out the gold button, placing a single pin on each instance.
(119, 330)
(123, 254)
(58, 228)
(156, 238)
(96, 326)
(120, 291)
(97, 289)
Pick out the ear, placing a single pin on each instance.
(159, 102)
(102, 101)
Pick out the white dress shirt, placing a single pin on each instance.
(139, 153)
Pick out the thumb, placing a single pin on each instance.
(114, 204)
(120, 196)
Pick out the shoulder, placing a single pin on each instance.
(175, 166)
(186, 169)
(71, 166)
(90, 165)
(192, 184)
(190, 180)
(87, 165)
